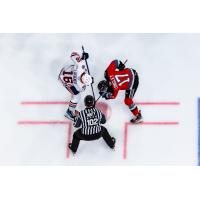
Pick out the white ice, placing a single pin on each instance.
(168, 66)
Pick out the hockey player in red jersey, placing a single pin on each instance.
(118, 77)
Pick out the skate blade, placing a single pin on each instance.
(137, 121)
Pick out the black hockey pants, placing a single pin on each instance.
(79, 136)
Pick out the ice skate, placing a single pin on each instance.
(70, 147)
(70, 115)
(138, 119)
(114, 141)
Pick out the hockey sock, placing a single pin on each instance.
(134, 109)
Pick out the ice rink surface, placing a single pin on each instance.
(34, 130)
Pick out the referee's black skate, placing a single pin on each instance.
(70, 147)
(114, 141)
(138, 119)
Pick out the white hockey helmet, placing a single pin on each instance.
(76, 56)
(86, 79)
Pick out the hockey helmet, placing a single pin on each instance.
(102, 86)
(76, 56)
(89, 101)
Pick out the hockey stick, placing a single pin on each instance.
(98, 98)
(88, 73)
(125, 61)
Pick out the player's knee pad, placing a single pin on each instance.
(128, 101)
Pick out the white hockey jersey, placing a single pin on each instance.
(71, 73)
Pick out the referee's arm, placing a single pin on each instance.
(77, 122)
(103, 119)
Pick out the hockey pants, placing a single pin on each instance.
(79, 136)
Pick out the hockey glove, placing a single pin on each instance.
(85, 56)
(103, 94)
(121, 65)
(106, 95)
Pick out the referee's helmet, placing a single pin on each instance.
(89, 101)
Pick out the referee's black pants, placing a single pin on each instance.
(79, 136)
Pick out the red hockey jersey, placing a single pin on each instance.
(119, 80)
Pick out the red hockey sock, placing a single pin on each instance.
(135, 111)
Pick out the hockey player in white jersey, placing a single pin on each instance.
(75, 78)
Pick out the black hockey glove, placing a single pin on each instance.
(85, 56)
(103, 94)
(106, 95)
(121, 65)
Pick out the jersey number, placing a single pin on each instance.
(92, 122)
(67, 77)
(119, 79)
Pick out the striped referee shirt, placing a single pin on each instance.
(90, 120)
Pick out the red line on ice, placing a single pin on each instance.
(69, 139)
(172, 103)
(66, 103)
(41, 122)
(125, 141)
(157, 103)
(44, 103)
(143, 123)
(155, 123)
